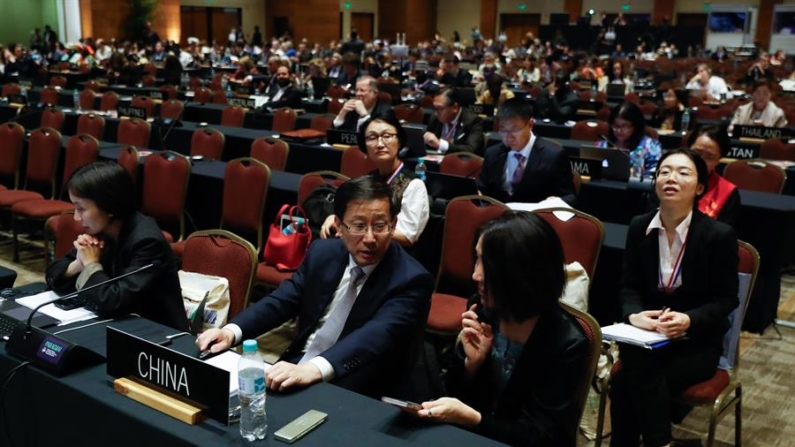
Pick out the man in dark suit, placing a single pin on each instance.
(524, 168)
(359, 109)
(360, 300)
(285, 94)
(451, 75)
(351, 70)
(453, 128)
(355, 45)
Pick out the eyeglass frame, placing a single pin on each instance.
(387, 228)
(386, 137)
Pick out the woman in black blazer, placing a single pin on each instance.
(118, 239)
(516, 378)
(679, 278)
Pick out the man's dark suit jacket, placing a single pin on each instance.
(547, 173)
(154, 293)
(468, 135)
(352, 118)
(371, 351)
(708, 293)
(461, 79)
(291, 98)
(537, 406)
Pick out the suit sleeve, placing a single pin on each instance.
(631, 294)
(491, 174)
(474, 141)
(730, 213)
(394, 323)
(712, 317)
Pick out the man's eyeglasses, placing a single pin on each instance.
(360, 229)
(372, 139)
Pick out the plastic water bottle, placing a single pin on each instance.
(293, 227)
(686, 120)
(251, 390)
(420, 169)
(24, 92)
(184, 81)
(76, 100)
(593, 89)
(310, 90)
(638, 163)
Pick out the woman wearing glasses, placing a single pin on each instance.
(381, 138)
(628, 131)
(520, 351)
(679, 278)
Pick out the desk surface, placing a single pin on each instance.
(82, 409)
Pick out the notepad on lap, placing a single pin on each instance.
(626, 333)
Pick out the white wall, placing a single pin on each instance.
(368, 6)
(457, 15)
(72, 30)
(253, 12)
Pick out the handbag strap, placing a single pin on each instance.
(295, 208)
(279, 214)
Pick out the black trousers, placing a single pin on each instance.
(641, 392)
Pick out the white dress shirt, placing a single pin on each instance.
(670, 255)
(512, 163)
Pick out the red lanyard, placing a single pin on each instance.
(677, 270)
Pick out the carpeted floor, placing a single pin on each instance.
(767, 368)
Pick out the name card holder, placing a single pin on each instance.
(132, 112)
(166, 380)
(336, 137)
(586, 167)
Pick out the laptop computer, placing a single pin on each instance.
(615, 162)
(616, 90)
(448, 187)
(415, 141)
(11, 314)
(320, 86)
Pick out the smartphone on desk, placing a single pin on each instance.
(403, 404)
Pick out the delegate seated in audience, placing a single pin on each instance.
(172, 70)
(557, 101)
(721, 200)
(424, 82)
(668, 115)
(381, 138)
(453, 128)
(494, 92)
(117, 240)
(628, 131)
(529, 71)
(679, 277)
(120, 72)
(524, 167)
(761, 111)
(351, 72)
(246, 70)
(713, 87)
(286, 94)
(360, 347)
(760, 70)
(359, 109)
(516, 380)
(450, 75)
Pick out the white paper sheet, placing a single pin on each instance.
(64, 316)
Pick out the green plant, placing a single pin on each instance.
(141, 12)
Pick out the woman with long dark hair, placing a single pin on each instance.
(628, 131)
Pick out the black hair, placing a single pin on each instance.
(701, 168)
(534, 279)
(631, 112)
(387, 117)
(451, 95)
(715, 133)
(515, 107)
(365, 188)
(109, 185)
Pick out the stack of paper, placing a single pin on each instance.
(64, 316)
(626, 333)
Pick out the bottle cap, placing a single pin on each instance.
(300, 221)
(421, 160)
(250, 346)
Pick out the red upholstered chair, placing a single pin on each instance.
(65, 229)
(165, 186)
(128, 159)
(632, 97)
(80, 151)
(53, 119)
(169, 92)
(271, 151)
(454, 284)
(146, 103)
(409, 113)
(233, 116)
(208, 143)
(203, 95)
(58, 81)
(426, 102)
(150, 69)
(219, 97)
(148, 80)
(589, 130)
(336, 91)
(110, 101)
(756, 175)
(12, 138)
(171, 109)
(44, 151)
(603, 114)
(92, 85)
(322, 122)
(463, 164)
(581, 236)
(355, 163)
(221, 253)
(268, 275)
(284, 120)
(11, 89)
(134, 131)
(334, 106)
(87, 99)
(776, 149)
(195, 82)
(49, 95)
(91, 124)
(385, 97)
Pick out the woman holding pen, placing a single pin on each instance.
(679, 278)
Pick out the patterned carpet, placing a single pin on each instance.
(767, 369)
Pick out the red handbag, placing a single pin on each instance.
(286, 251)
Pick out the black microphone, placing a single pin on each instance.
(78, 292)
(172, 124)
(608, 141)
